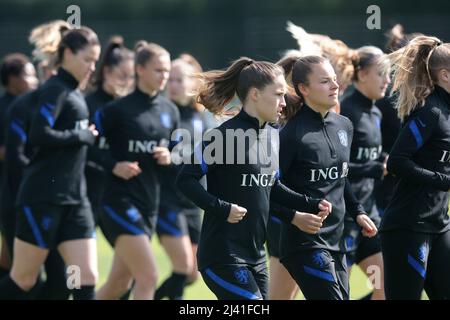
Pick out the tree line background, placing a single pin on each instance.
(218, 31)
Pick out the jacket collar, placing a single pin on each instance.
(68, 78)
(442, 94)
(362, 100)
(244, 116)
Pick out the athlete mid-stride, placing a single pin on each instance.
(231, 253)
(415, 236)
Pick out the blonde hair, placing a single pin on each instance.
(336, 51)
(415, 69)
(46, 39)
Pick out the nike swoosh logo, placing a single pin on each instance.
(423, 125)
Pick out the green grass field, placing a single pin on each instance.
(199, 291)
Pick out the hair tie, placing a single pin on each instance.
(437, 44)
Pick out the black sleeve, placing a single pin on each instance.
(50, 104)
(104, 121)
(173, 168)
(188, 182)
(291, 199)
(15, 142)
(284, 214)
(3, 119)
(412, 137)
(3, 110)
(352, 206)
(370, 169)
(288, 147)
(101, 157)
(176, 119)
(383, 156)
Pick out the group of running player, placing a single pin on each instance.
(336, 157)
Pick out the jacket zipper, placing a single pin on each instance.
(327, 137)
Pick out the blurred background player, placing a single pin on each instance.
(58, 216)
(367, 163)
(179, 220)
(138, 129)
(18, 76)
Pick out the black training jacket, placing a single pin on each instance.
(133, 126)
(314, 160)
(390, 128)
(96, 100)
(196, 124)
(5, 101)
(366, 160)
(420, 159)
(252, 184)
(59, 132)
(17, 151)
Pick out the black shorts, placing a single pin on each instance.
(177, 222)
(356, 246)
(7, 222)
(237, 281)
(96, 184)
(273, 236)
(47, 225)
(121, 217)
(319, 273)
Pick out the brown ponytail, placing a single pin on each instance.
(114, 54)
(145, 51)
(365, 57)
(298, 71)
(219, 87)
(293, 100)
(76, 40)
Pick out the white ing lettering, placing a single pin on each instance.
(102, 143)
(145, 146)
(82, 124)
(368, 153)
(259, 180)
(331, 173)
(445, 156)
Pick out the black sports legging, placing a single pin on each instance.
(415, 261)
